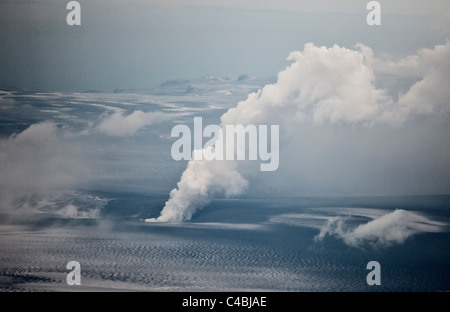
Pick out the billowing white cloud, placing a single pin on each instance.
(430, 94)
(322, 86)
(117, 124)
(391, 228)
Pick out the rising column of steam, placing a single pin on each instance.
(321, 85)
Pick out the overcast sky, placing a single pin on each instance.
(140, 44)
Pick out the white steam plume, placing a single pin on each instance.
(322, 85)
(200, 181)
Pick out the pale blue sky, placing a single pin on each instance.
(139, 44)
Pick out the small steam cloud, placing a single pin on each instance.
(37, 164)
(392, 228)
(321, 86)
(117, 124)
(40, 157)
